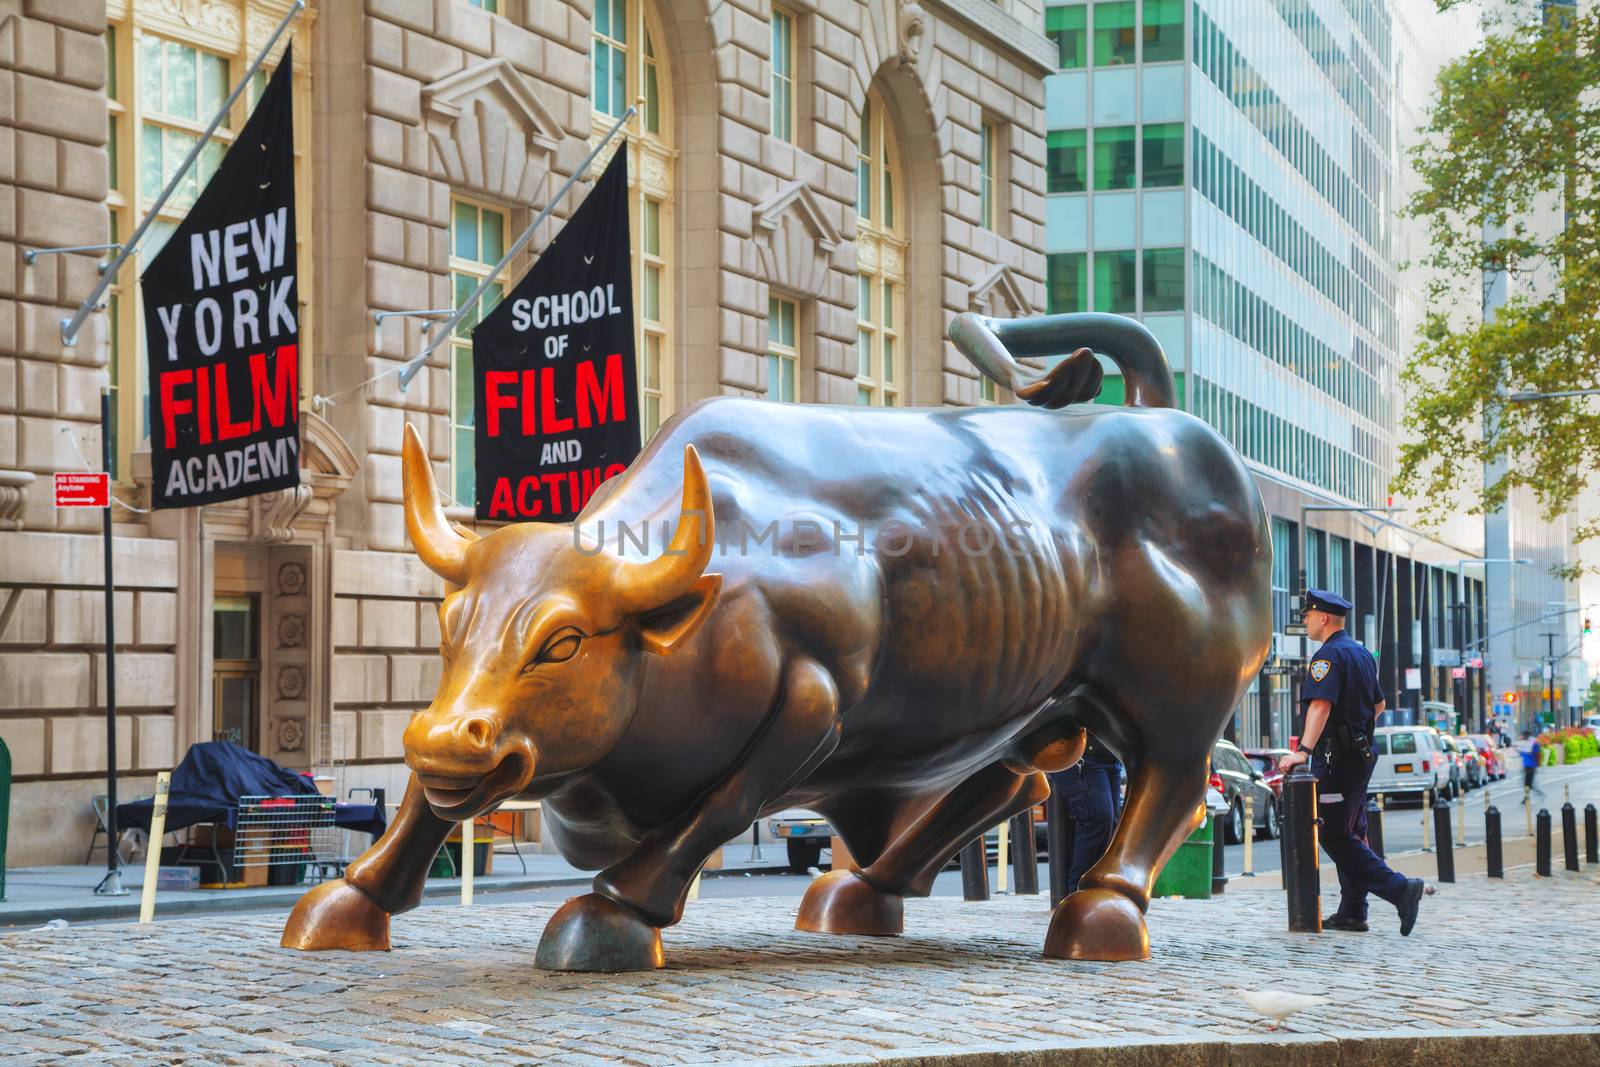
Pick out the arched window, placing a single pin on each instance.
(478, 236)
(629, 67)
(881, 248)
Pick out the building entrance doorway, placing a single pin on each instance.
(236, 670)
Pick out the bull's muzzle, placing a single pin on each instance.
(463, 763)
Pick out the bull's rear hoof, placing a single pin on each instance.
(595, 933)
(1097, 924)
(843, 902)
(336, 915)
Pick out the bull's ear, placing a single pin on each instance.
(664, 632)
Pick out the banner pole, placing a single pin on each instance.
(447, 327)
(152, 851)
(71, 326)
(111, 884)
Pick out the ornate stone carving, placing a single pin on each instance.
(224, 18)
(491, 133)
(272, 514)
(292, 579)
(291, 682)
(291, 734)
(291, 631)
(999, 295)
(794, 239)
(912, 24)
(13, 491)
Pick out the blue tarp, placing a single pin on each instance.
(207, 785)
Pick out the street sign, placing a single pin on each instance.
(1413, 678)
(1476, 663)
(1458, 672)
(77, 489)
(1295, 629)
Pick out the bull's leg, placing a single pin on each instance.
(1104, 919)
(617, 927)
(869, 901)
(353, 912)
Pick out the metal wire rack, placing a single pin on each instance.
(281, 831)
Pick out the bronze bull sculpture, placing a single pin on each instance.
(949, 597)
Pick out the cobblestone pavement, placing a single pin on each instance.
(742, 985)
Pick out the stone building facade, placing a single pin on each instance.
(818, 188)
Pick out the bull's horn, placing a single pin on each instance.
(658, 582)
(440, 547)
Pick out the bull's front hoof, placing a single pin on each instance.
(595, 933)
(843, 902)
(1097, 924)
(337, 915)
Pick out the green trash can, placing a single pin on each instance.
(1188, 872)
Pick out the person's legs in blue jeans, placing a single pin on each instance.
(1091, 804)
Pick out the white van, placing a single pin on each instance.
(1411, 760)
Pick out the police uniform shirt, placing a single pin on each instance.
(1344, 674)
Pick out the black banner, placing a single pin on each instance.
(555, 392)
(222, 331)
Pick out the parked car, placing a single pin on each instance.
(1411, 761)
(1493, 766)
(805, 833)
(1235, 777)
(1266, 761)
(1470, 765)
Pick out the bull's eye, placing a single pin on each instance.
(560, 648)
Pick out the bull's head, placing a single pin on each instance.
(543, 644)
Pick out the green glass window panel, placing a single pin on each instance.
(465, 227)
(774, 377)
(602, 74)
(112, 87)
(461, 387)
(863, 396)
(112, 154)
(155, 238)
(1115, 282)
(181, 92)
(210, 159)
(889, 400)
(1067, 160)
(772, 319)
(864, 353)
(652, 293)
(494, 236)
(462, 287)
(864, 297)
(175, 148)
(1163, 279)
(1114, 157)
(652, 99)
(1068, 28)
(652, 227)
(888, 359)
(150, 73)
(1163, 154)
(789, 367)
(466, 469)
(1068, 282)
(888, 304)
(1163, 30)
(214, 84)
(1114, 39)
(782, 27)
(602, 17)
(888, 196)
(619, 82)
(258, 85)
(491, 298)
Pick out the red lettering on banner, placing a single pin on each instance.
(173, 405)
(547, 405)
(227, 429)
(496, 402)
(529, 497)
(278, 400)
(593, 393)
(202, 389)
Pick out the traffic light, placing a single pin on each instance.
(1586, 629)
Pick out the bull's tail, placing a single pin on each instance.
(993, 345)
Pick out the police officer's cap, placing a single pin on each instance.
(1322, 600)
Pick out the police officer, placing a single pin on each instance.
(1343, 701)
(1093, 790)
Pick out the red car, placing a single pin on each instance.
(1266, 761)
(1493, 766)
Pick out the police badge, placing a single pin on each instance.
(1319, 670)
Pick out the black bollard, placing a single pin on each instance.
(1375, 827)
(1301, 877)
(1283, 848)
(1591, 835)
(1443, 847)
(974, 871)
(1024, 856)
(1058, 839)
(1491, 842)
(1219, 857)
(1569, 835)
(1541, 844)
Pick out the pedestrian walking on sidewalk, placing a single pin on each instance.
(1093, 790)
(1530, 751)
(1343, 701)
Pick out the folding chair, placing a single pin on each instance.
(101, 807)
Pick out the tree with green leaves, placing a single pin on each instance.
(1510, 182)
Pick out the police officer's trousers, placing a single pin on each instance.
(1342, 806)
(1093, 791)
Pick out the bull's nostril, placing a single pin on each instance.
(480, 732)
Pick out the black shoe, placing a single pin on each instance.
(1339, 922)
(1409, 903)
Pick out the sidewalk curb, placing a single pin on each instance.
(1569, 1046)
(223, 901)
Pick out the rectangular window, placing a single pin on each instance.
(783, 351)
(1163, 154)
(491, 6)
(864, 164)
(477, 241)
(782, 75)
(1066, 158)
(1068, 28)
(610, 57)
(1116, 287)
(1114, 39)
(987, 162)
(1068, 282)
(1163, 30)
(1163, 279)
(1114, 157)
